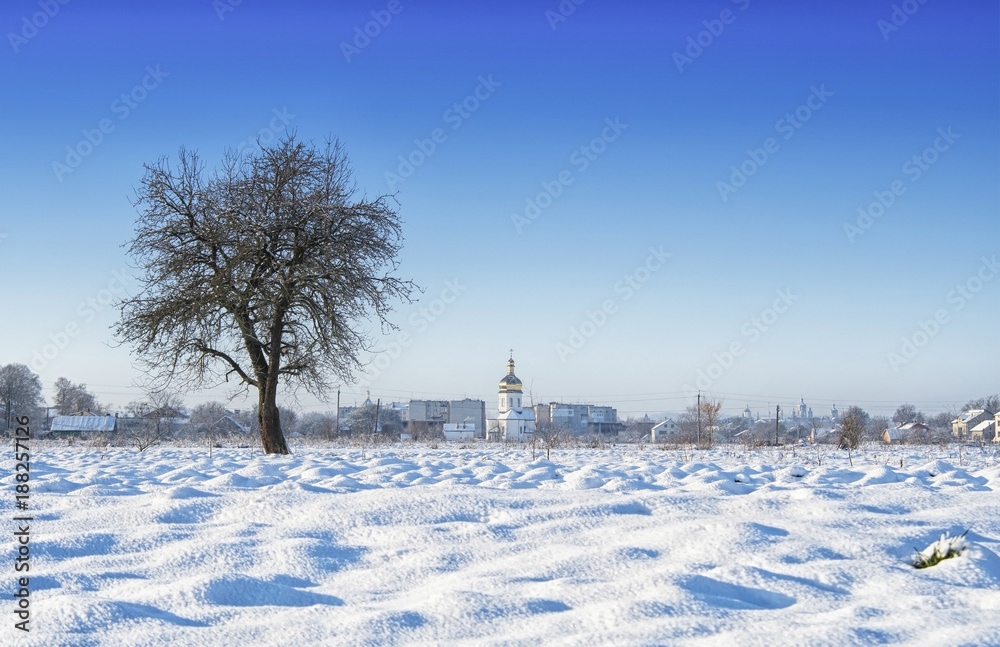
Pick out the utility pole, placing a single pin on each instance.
(48, 425)
(378, 405)
(777, 415)
(699, 418)
(337, 430)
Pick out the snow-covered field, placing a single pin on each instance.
(481, 546)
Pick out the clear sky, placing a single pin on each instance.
(642, 199)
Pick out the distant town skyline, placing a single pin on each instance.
(761, 201)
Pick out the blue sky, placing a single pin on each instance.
(864, 99)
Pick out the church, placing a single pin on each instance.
(514, 421)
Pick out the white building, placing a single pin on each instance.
(968, 420)
(983, 431)
(515, 422)
(801, 411)
(428, 415)
(459, 431)
(664, 430)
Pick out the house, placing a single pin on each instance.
(227, 424)
(962, 425)
(664, 430)
(827, 435)
(641, 428)
(82, 424)
(985, 430)
(905, 433)
(165, 413)
(459, 431)
(894, 436)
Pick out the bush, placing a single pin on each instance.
(944, 548)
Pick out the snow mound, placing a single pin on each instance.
(183, 492)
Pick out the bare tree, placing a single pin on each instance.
(550, 435)
(853, 424)
(20, 391)
(710, 415)
(267, 270)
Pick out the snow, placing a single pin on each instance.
(486, 546)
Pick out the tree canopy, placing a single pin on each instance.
(20, 391)
(75, 398)
(266, 271)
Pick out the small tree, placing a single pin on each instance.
(267, 270)
(853, 424)
(710, 417)
(550, 435)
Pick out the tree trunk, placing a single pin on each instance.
(271, 438)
